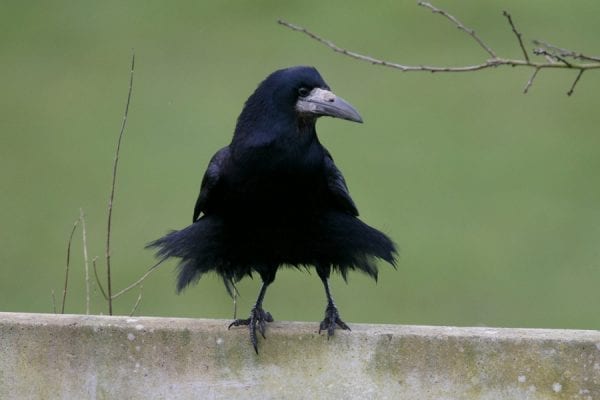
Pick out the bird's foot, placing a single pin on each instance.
(332, 318)
(259, 317)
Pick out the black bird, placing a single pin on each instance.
(274, 197)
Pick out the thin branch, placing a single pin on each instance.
(53, 302)
(375, 61)
(128, 288)
(235, 296)
(86, 263)
(566, 52)
(427, 68)
(517, 34)
(112, 190)
(137, 302)
(530, 81)
(140, 280)
(64, 296)
(555, 59)
(570, 92)
(460, 26)
(98, 279)
(550, 56)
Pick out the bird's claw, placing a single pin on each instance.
(259, 317)
(332, 318)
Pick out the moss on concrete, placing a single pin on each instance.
(50, 356)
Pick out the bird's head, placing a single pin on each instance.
(311, 96)
(293, 95)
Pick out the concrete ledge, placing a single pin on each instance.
(46, 356)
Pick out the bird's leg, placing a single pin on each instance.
(332, 316)
(258, 316)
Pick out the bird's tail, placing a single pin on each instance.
(354, 244)
(200, 249)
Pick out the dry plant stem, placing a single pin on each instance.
(494, 62)
(530, 81)
(235, 295)
(98, 279)
(112, 189)
(85, 260)
(570, 92)
(565, 52)
(137, 302)
(518, 35)
(460, 26)
(53, 302)
(64, 296)
(128, 288)
(552, 56)
(139, 281)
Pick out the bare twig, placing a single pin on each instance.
(140, 280)
(108, 295)
(460, 26)
(566, 52)
(85, 260)
(64, 296)
(570, 92)
(53, 302)
(137, 302)
(128, 288)
(518, 35)
(530, 81)
(556, 58)
(552, 57)
(98, 279)
(112, 190)
(375, 61)
(235, 295)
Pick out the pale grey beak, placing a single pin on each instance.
(321, 102)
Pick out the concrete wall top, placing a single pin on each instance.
(45, 356)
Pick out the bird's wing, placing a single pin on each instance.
(337, 187)
(211, 178)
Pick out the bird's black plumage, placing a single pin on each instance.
(274, 197)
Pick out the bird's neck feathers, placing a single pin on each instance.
(264, 123)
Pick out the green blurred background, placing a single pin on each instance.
(492, 196)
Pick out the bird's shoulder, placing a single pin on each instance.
(217, 163)
(337, 186)
(211, 179)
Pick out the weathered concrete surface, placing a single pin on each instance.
(78, 357)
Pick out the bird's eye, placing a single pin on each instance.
(303, 92)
